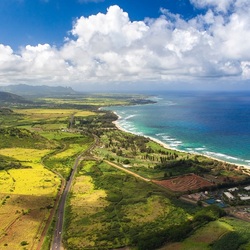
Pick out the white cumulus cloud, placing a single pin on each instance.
(109, 47)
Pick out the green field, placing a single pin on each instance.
(223, 234)
(28, 187)
(104, 213)
(107, 208)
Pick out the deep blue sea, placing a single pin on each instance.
(214, 124)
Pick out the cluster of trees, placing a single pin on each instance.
(17, 137)
(95, 124)
(7, 163)
(155, 239)
(6, 111)
(189, 166)
(16, 132)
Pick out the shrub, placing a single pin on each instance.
(24, 243)
(126, 161)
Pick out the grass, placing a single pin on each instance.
(40, 114)
(28, 189)
(107, 208)
(151, 160)
(58, 135)
(225, 233)
(95, 100)
(25, 216)
(62, 160)
(104, 213)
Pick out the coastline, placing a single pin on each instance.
(165, 145)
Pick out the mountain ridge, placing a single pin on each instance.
(6, 97)
(39, 90)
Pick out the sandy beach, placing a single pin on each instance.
(178, 150)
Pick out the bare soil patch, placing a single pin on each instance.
(184, 183)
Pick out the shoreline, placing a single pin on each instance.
(165, 145)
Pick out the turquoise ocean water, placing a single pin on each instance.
(214, 124)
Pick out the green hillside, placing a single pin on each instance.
(15, 137)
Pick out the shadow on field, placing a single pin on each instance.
(31, 205)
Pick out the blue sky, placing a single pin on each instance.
(90, 44)
(48, 21)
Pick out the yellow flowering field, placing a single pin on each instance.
(26, 198)
(72, 150)
(29, 157)
(52, 113)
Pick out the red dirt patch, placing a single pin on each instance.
(184, 183)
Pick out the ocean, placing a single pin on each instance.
(210, 123)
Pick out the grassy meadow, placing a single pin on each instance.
(107, 208)
(103, 213)
(28, 150)
(223, 234)
(110, 209)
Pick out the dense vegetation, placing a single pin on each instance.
(107, 208)
(151, 160)
(7, 163)
(238, 238)
(62, 160)
(146, 218)
(16, 137)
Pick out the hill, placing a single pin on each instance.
(23, 138)
(6, 97)
(43, 90)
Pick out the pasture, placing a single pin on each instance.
(46, 117)
(95, 100)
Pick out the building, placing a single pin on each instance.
(229, 195)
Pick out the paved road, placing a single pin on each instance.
(57, 239)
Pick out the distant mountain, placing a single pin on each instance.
(6, 97)
(43, 90)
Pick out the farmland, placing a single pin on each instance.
(27, 196)
(107, 207)
(28, 189)
(185, 182)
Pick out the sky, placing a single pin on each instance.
(125, 44)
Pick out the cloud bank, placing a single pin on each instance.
(109, 47)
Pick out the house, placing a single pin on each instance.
(245, 198)
(233, 189)
(229, 195)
